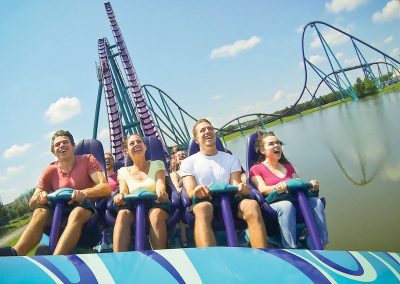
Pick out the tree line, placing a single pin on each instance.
(363, 88)
(14, 210)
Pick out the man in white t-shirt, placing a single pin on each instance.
(208, 166)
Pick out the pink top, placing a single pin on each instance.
(113, 181)
(268, 177)
(78, 178)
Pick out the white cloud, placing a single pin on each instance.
(11, 171)
(216, 98)
(337, 6)
(49, 135)
(263, 106)
(395, 53)
(316, 59)
(340, 55)
(388, 39)
(332, 37)
(16, 150)
(8, 194)
(349, 62)
(104, 133)
(235, 48)
(63, 109)
(300, 29)
(390, 12)
(278, 96)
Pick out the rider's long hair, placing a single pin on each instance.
(259, 144)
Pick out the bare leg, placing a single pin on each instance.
(41, 218)
(203, 232)
(250, 212)
(72, 232)
(158, 228)
(122, 230)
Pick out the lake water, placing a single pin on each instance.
(353, 150)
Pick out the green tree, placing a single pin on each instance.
(359, 87)
(370, 87)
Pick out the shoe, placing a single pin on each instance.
(7, 251)
(42, 250)
(304, 235)
(302, 242)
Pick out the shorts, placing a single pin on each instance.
(166, 206)
(86, 204)
(216, 202)
(91, 235)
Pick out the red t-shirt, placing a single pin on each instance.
(78, 178)
(268, 177)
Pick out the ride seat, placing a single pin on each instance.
(269, 213)
(154, 151)
(188, 216)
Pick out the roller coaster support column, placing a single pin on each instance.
(366, 67)
(350, 91)
(96, 115)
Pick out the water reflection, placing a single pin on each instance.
(362, 143)
(347, 148)
(362, 161)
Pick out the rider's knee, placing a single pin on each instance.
(204, 210)
(250, 209)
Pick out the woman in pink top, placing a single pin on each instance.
(147, 175)
(270, 174)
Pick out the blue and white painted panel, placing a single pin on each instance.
(210, 265)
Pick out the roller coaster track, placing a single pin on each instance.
(394, 68)
(149, 111)
(325, 78)
(146, 121)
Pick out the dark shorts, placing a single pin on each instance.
(91, 235)
(216, 202)
(166, 206)
(86, 204)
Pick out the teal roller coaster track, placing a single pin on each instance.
(149, 111)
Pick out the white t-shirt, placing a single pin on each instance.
(210, 169)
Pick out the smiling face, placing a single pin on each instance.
(109, 161)
(205, 135)
(180, 155)
(135, 146)
(272, 148)
(63, 148)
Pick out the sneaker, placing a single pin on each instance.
(304, 235)
(7, 251)
(302, 242)
(42, 250)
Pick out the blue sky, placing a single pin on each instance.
(242, 56)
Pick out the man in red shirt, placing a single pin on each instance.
(83, 174)
(111, 174)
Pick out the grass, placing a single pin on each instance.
(282, 120)
(14, 240)
(14, 224)
(392, 88)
